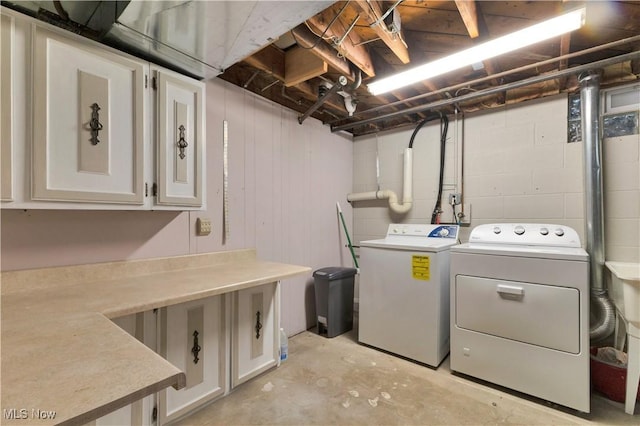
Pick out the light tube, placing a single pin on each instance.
(536, 33)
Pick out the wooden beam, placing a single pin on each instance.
(565, 44)
(468, 12)
(350, 46)
(372, 11)
(305, 38)
(271, 60)
(477, 28)
(302, 65)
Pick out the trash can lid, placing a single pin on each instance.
(334, 273)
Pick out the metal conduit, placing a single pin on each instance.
(604, 312)
(500, 74)
(490, 91)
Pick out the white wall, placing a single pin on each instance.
(518, 167)
(284, 181)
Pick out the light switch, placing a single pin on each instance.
(203, 226)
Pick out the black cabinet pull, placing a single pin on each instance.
(95, 124)
(258, 325)
(196, 347)
(182, 143)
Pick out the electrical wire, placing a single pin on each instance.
(444, 123)
(321, 36)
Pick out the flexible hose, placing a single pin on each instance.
(605, 314)
(444, 121)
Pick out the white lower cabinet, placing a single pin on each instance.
(192, 337)
(255, 333)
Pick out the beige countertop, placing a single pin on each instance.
(62, 354)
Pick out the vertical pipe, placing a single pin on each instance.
(590, 107)
(604, 319)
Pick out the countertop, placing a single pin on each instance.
(60, 351)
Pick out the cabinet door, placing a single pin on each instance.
(192, 339)
(180, 140)
(6, 107)
(255, 332)
(88, 127)
(143, 327)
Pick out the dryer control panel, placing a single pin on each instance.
(423, 230)
(530, 234)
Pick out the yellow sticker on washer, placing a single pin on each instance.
(420, 268)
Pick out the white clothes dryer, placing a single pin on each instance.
(404, 291)
(520, 310)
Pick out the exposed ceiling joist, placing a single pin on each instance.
(307, 40)
(349, 41)
(468, 12)
(272, 61)
(372, 13)
(302, 65)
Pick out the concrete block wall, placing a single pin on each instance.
(518, 167)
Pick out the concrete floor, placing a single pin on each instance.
(339, 382)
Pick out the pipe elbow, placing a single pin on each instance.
(395, 206)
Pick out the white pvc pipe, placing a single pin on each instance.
(387, 194)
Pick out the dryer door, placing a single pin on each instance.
(537, 314)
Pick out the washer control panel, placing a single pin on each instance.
(420, 230)
(526, 234)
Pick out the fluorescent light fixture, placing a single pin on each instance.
(536, 33)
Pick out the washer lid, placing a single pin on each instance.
(417, 237)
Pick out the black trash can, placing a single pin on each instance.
(334, 299)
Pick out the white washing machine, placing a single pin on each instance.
(404, 291)
(520, 311)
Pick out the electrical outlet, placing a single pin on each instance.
(203, 226)
(455, 199)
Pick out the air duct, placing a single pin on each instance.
(387, 194)
(603, 312)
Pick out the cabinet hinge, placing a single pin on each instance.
(154, 85)
(154, 414)
(154, 189)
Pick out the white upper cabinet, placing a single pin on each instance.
(88, 131)
(85, 126)
(180, 139)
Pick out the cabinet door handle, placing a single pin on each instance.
(182, 143)
(95, 124)
(258, 325)
(510, 291)
(196, 347)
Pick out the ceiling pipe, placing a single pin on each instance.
(502, 74)
(339, 85)
(604, 312)
(490, 91)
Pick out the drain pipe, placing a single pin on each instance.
(387, 194)
(604, 319)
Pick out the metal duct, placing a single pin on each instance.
(603, 320)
